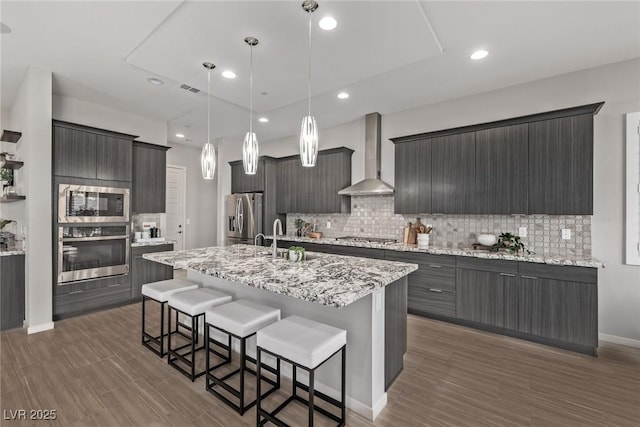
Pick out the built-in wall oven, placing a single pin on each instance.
(84, 203)
(92, 251)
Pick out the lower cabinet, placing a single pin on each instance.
(487, 292)
(84, 301)
(559, 303)
(12, 295)
(145, 271)
(431, 288)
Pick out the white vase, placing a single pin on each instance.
(423, 240)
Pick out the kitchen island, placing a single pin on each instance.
(366, 297)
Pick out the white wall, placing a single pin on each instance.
(616, 84)
(89, 114)
(31, 115)
(201, 197)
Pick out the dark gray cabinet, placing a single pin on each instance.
(314, 190)
(149, 178)
(413, 177)
(536, 164)
(145, 271)
(559, 303)
(12, 291)
(487, 292)
(113, 158)
(561, 166)
(453, 173)
(243, 183)
(74, 153)
(86, 152)
(501, 170)
(431, 288)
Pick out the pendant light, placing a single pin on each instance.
(309, 127)
(250, 143)
(208, 155)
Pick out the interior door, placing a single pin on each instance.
(176, 204)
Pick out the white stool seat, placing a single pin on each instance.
(195, 302)
(303, 341)
(161, 291)
(242, 318)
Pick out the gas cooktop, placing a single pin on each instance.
(382, 240)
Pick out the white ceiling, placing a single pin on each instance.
(382, 52)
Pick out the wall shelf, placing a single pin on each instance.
(12, 164)
(10, 136)
(11, 198)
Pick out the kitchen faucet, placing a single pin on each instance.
(255, 239)
(276, 224)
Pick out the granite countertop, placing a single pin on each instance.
(541, 259)
(331, 280)
(166, 242)
(10, 253)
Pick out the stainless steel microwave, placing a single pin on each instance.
(83, 203)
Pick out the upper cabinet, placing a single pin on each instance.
(314, 190)
(501, 170)
(86, 152)
(537, 164)
(148, 186)
(452, 173)
(243, 183)
(561, 166)
(413, 177)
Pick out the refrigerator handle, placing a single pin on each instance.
(240, 216)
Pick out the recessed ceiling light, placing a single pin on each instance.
(155, 81)
(228, 74)
(328, 23)
(263, 120)
(343, 95)
(179, 135)
(479, 54)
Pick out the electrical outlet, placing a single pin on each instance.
(522, 231)
(566, 234)
(188, 221)
(328, 224)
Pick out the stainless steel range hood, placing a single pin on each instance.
(372, 185)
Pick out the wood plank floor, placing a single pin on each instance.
(94, 372)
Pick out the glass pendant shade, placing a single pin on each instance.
(208, 161)
(250, 153)
(309, 141)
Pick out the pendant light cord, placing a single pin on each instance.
(251, 91)
(209, 106)
(309, 62)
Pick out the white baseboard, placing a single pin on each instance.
(39, 328)
(619, 340)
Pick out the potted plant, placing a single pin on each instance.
(511, 243)
(297, 253)
(300, 224)
(4, 223)
(6, 176)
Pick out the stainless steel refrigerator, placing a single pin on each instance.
(244, 217)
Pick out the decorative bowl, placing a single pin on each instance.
(487, 239)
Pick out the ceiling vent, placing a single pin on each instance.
(189, 88)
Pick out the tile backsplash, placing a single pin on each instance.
(373, 216)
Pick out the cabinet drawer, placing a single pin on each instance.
(426, 300)
(139, 250)
(421, 258)
(83, 301)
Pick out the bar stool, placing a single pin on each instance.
(241, 320)
(305, 344)
(160, 293)
(193, 305)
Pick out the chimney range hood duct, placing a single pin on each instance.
(372, 185)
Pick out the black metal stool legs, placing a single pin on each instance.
(212, 381)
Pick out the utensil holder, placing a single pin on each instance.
(423, 240)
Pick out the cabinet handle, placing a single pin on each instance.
(435, 290)
(507, 275)
(113, 286)
(435, 266)
(528, 277)
(75, 292)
